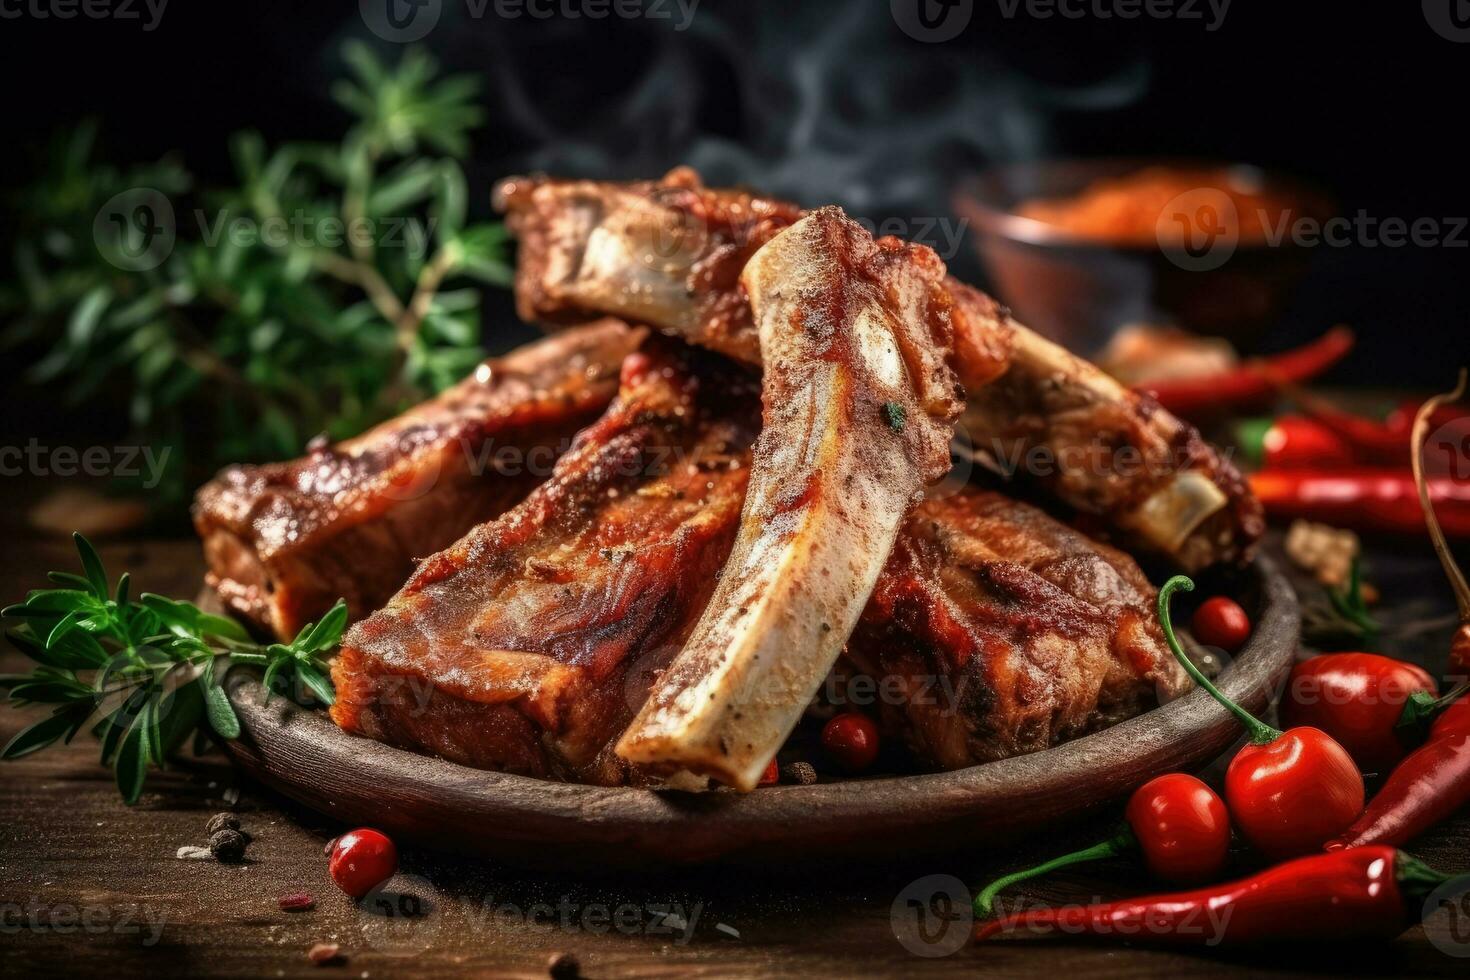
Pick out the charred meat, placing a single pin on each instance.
(284, 540)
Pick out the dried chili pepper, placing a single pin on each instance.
(1288, 792)
(1367, 892)
(1358, 699)
(1434, 781)
(1176, 822)
(1364, 500)
(1252, 381)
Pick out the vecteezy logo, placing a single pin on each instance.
(401, 21)
(1448, 449)
(1198, 230)
(1449, 18)
(932, 916)
(1450, 932)
(135, 229)
(932, 21)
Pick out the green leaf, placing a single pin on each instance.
(66, 625)
(131, 764)
(91, 566)
(451, 201)
(320, 687)
(221, 713)
(325, 634)
(86, 315)
(41, 734)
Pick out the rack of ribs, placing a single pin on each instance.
(670, 253)
(283, 541)
(529, 645)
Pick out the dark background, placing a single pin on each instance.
(834, 102)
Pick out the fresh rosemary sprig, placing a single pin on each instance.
(331, 286)
(143, 674)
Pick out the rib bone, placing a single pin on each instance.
(859, 407)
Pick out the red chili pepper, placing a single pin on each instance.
(1430, 786)
(1252, 381)
(851, 739)
(1366, 892)
(1291, 442)
(772, 775)
(1434, 781)
(1288, 792)
(1358, 699)
(1221, 622)
(1175, 822)
(1364, 500)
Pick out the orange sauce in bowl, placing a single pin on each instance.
(1157, 205)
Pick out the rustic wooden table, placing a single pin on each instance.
(90, 886)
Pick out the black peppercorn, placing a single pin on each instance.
(228, 845)
(222, 821)
(799, 774)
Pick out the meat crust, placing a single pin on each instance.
(284, 541)
(1008, 632)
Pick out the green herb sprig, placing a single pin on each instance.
(231, 347)
(1344, 618)
(143, 675)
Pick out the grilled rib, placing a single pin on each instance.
(528, 645)
(670, 252)
(860, 405)
(1008, 632)
(284, 540)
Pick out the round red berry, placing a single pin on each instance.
(362, 860)
(1220, 622)
(851, 739)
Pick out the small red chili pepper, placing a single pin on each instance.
(1292, 442)
(851, 739)
(1434, 781)
(772, 775)
(1221, 622)
(362, 859)
(1174, 821)
(1358, 699)
(1288, 792)
(1372, 892)
(1253, 381)
(1364, 500)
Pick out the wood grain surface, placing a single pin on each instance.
(90, 886)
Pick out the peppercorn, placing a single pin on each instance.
(228, 846)
(799, 773)
(563, 966)
(221, 821)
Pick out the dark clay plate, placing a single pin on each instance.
(531, 822)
